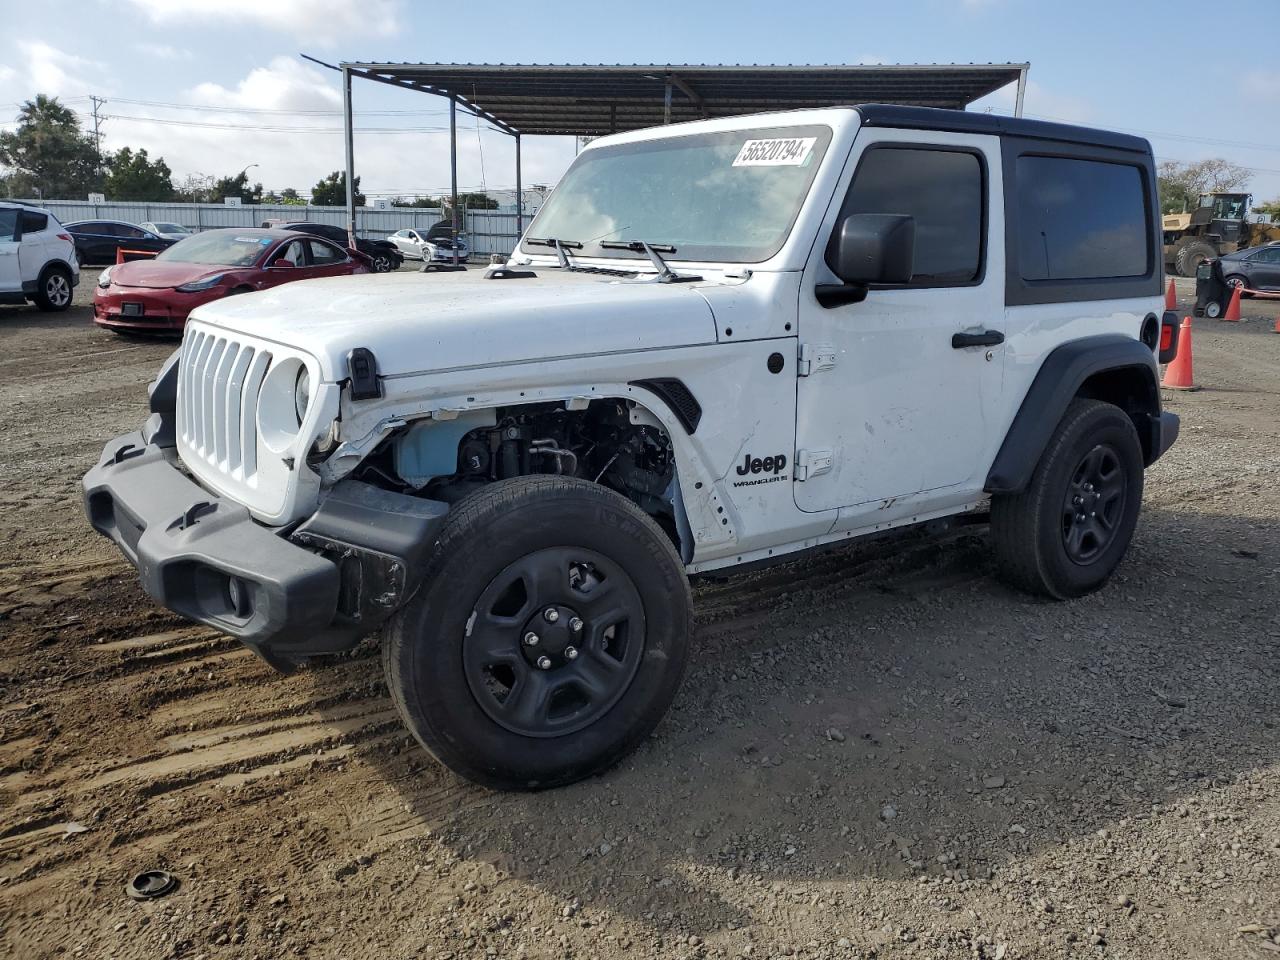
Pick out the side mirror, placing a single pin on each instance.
(867, 248)
(874, 248)
(282, 263)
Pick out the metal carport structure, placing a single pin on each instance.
(597, 99)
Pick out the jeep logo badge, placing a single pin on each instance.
(775, 464)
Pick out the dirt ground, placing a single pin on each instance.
(877, 752)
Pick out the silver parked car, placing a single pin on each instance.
(166, 229)
(421, 245)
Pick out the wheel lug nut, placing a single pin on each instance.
(575, 624)
(544, 663)
(530, 639)
(551, 614)
(571, 653)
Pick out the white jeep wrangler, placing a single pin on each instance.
(720, 343)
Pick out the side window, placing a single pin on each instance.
(1081, 219)
(1269, 255)
(291, 251)
(33, 222)
(133, 233)
(8, 224)
(943, 190)
(323, 254)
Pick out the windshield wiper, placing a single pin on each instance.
(560, 246)
(650, 250)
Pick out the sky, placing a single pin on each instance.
(217, 87)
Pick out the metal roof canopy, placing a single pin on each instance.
(593, 100)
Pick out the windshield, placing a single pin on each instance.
(728, 197)
(171, 228)
(224, 248)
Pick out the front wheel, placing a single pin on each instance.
(549, 636)
(1235, 280)
(382, 263)
(1064, 535)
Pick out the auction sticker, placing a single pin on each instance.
(784, 152)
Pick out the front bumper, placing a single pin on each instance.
(206, 558)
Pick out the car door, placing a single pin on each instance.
(10, 271)
(33, 251)
(898, 392)
(1265, 274)
(326, 259)
(292, 253)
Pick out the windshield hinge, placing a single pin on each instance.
(814, 357)
(814, 463)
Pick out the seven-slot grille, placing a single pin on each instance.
(218, 401)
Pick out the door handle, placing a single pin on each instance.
(987, 338)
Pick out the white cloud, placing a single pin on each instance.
(283, 84)
(58, 73)
(162, 51)
(322, 21)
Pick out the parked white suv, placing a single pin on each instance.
(720, 343)
(37, 258)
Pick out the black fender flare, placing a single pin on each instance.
(1065, 370)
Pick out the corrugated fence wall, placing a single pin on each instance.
(488, 231)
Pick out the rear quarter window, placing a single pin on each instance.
(33, 222)
(1081, 219)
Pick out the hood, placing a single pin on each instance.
(428, 322)
(162, 273)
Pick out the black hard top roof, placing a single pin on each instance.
(959, 121)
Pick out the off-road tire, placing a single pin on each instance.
(484, 535)
(54, 291)
(1191, 254)
(1028, 529)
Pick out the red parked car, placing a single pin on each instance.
(158, 294)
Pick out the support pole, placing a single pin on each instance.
(453, 171)
(666, 104)
(519, 195)
(1022, 92)
(348, 138)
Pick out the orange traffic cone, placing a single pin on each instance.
(1178, 375)
(1233, 307)
(1278, 326)
(1171, 296)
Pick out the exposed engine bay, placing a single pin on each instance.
(612, 442)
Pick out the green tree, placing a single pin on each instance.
(49, 152)
(477, 201)
(1180, 184)
(332, 191)
(135, 176)
(418, 202)
(1271, 206)
(237, 186)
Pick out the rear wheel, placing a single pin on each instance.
(548, 639)
(53, 290)
(1064, 535)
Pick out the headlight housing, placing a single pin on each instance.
(104, 278)
(302, 394)
(195, 286)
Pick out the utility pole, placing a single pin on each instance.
(97, 128)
